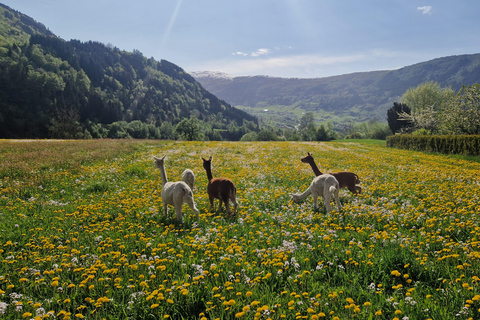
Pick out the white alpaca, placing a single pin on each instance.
(175, 193)
(189, 178)
(324, 185)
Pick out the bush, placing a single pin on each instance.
(458, 144)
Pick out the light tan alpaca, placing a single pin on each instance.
(174, 193)
(345, 179)
(324, 185)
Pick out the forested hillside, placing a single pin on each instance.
(351, 97)
(50, 87)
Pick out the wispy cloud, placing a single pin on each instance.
(425, 9)
(259, 52)
(273, 65)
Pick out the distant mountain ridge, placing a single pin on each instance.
(350, 97)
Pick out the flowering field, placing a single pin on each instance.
(83, 235)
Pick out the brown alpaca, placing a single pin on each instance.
(345, 179)
(222, 189)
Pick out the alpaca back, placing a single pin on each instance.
(222, 188)
(189, 178)
(348, 180)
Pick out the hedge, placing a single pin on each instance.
(453, 144)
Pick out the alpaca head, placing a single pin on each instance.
(307, 159)
(159, 162)
(207, 164)
(294, 197)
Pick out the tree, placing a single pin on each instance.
(396, 122)
(425, 95)
(461, 114)
(189, 129)
(306, 127)
(325, 132)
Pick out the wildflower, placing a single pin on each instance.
(378, 313)
(26, 315)
(79, 315)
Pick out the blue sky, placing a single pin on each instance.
(280, 38)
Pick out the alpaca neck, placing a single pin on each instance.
(163, 174)
(209, 173)
(314, 168)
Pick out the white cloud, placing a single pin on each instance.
(260, 52)
(239, 53)
(425, 9)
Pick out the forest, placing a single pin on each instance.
(52, 88)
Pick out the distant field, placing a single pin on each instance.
(81, 235)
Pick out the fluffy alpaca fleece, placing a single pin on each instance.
(189, 178)
(222, 189)
(175, 193)
(345, 179)
(324, 185)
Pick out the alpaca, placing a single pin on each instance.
(222, 189)
(175, 193)
(324, 185)
(345, 179)
(189, 178)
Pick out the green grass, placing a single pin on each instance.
(82, 234)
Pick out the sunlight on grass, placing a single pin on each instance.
(82, 234)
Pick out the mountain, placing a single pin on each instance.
(351, 97)
(50, 87)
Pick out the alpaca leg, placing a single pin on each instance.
(212, 203)
(178, 212)
(337, 200)
(235, 205)
(191, 203)
(165, 209)
(315, 201)
(327, 197)
(358, 189)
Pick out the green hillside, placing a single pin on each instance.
(351, 97)
(50, 87)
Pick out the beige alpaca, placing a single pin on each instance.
(175, 193)
(324, 185)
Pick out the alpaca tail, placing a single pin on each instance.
(357, 179)
(332, 190)
(297, 197)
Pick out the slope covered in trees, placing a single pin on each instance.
(50, 87)
(341, 99)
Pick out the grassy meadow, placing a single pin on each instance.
(83, 235)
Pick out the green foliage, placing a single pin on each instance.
(44, 77)
(451, 144)
(189, 129)
(427, 94)
(461, 115)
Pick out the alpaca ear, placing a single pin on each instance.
(210, 158)
(164, 157)
(309, 154)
